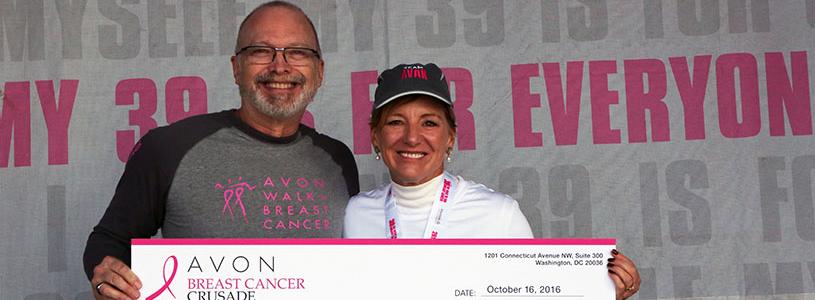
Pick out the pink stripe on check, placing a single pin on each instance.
(373, 242)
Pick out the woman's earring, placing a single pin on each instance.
(377, 157)
(449, 151)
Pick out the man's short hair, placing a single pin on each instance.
(283, 4)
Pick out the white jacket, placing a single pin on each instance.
(476, 212)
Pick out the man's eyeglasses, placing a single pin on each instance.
(295, 56)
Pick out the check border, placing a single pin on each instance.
(181, 242)
(210, 269)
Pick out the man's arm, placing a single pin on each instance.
(136, 210)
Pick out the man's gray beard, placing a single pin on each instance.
(276, 106)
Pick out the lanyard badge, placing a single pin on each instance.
(436, 220)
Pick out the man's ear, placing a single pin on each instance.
(235, 67)
(320, 73)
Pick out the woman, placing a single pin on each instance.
(413, 130)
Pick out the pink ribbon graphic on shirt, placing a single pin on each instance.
(166, 281)
(228, 196)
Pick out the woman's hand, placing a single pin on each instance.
(624, 274)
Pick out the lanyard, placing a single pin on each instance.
(435, 222)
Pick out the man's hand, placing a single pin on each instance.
(113, 279)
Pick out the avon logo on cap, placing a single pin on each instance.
(414, 72)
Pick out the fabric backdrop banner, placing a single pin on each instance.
(681, 128)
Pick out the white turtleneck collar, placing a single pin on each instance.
(417, 196)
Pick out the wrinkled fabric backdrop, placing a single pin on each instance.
(682, 128)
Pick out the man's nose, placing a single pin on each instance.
(279, 64)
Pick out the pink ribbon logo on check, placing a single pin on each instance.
(166, 281)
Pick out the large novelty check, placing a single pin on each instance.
(248, 269)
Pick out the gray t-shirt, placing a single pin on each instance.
(213, 176)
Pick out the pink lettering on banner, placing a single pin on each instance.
(638, 100)
(565, 114)
(692, 92)
(195, 89)
(167, 282)
(234, 190)
(15, 121)
(142, 116)
(461, 82)
(57, 117)
(790, 95)
(523, 101)
(601, 99)
(745, 65)
(361, 105)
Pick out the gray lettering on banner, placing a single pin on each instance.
(157, 14)
(525, 180)
(701, 17)
(550, 21)
(228, 14)
(194, 44)
(109, 46)
(70, 18)
(737, 15)
(438, 31)
(588, 24)
(810, 8)
(488, 31)
(654, 24)
(811, 267)
(362, 12)
(21, 22)
(683, 278)
(789, 278)
(757, 280)
(649, 197)
(698, 231)
(648, 287)
(802, 167)
(692, 23)
(771, 195)
(570, 195)
(323, 14)
(57, 218)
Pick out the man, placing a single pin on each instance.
(254, 172)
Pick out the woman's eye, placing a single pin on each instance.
(394, 122)
(430, 123)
